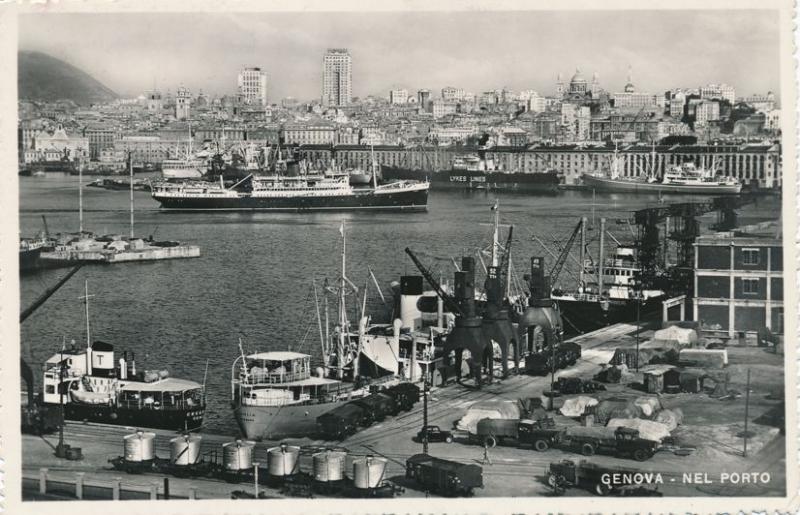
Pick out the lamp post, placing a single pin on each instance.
(426, 390)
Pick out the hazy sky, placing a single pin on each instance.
(474, 50)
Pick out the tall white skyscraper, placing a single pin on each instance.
(337, 77)
(253, 86)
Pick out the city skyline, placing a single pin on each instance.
(172, 50)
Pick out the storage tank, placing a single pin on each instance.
(238, 455)
(368, 472)
(140, 446)
(283, 460)
(185, 449)
(329, 466)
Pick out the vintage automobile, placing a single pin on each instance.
(434, 434)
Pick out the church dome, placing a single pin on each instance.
(578, 78)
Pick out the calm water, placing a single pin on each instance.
(254, 277)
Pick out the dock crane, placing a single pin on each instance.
(450, 301)
(555, 272)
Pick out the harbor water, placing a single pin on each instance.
(253, 279)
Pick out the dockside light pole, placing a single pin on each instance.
(426, 390)
(130, 170)
(746, 412)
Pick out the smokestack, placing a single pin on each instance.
(410, 293)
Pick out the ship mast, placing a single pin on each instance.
(80, 201)
(130, 169)
(85, 298)
(496, 234)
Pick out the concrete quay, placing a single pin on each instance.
(510, 471)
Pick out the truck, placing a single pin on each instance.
(601, 480)
(539, 434)
(620, 441)
(446, 477)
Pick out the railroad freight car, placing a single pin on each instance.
(376, 406)
(405, 395)
(564, 355)
(601, 480)
(446, 477)
(340, 422)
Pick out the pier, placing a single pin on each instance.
(510, 471)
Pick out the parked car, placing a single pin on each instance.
(435, 434)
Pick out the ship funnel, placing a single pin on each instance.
(410, 293)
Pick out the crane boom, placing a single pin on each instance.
(505, 262)
(562, 258)
(47, 294)
(448, 299)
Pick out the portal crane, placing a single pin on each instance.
(562, 258)
(448, 299)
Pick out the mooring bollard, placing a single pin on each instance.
(43, 481)
(79, 484)
(192, 492)
(154, 491)
(115, 488)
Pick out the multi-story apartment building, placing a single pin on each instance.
(718, 91)
(398, 96)
(738, 282)
(706, 111)
(451, 94)
(252, 83)
(443, 108)
(316, 134)
(100, 138)
(337, 77)
(763, 103)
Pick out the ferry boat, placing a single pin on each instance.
(476, 172)
(685, 178)
(94, 385)
(303, 192)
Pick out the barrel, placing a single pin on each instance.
(184, 450)
(140, 446)
(368, 472)
(283, 460)
(238, 455)
(329, 466)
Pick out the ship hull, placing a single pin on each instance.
(632, 186)
(275, 422)
(181, 174)
(407, 200)
(29, 259)
(477, 180)
(583, 316)
(175, 420)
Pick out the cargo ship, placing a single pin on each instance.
(684, 179)
(30, 250)
(313, 191)
(606, 293)
(476, 172)
(93, 385)
(280, 394)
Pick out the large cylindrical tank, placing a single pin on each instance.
(238, 455)
(283, 460)
(140, 446)
(329, 466)
(185, 450)
(368, 472)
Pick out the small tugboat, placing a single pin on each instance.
(94, 386)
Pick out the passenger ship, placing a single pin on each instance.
(685, 178)
(304, 192)
(186, 168)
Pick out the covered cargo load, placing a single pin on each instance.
(708, 358)
(684, 337)
(487, 409)
(609, 409)
(377, 406)
(648, 429)
(576, 406)
(648, 406)
(671, 418)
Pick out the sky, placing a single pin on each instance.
(478, 51)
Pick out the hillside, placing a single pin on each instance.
(45, 78)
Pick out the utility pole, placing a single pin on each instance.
(130, 169)
(426, 390)
(746, 411)
(60, 451)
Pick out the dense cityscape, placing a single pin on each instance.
(567, 290)
(572, 129)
